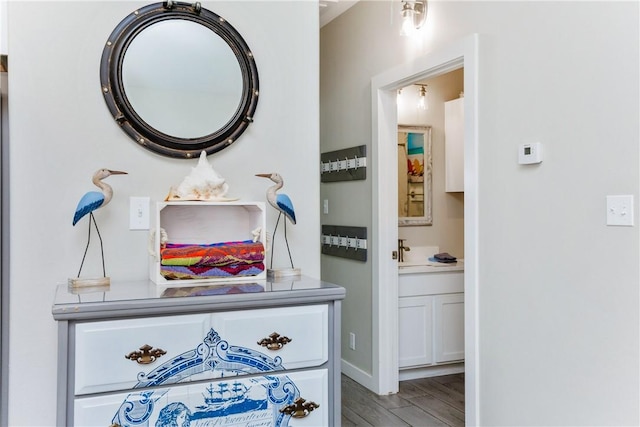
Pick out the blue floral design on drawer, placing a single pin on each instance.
(231, 400)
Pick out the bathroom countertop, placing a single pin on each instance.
(429, 267)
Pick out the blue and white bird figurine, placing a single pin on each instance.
(92, 201)
(282, 203)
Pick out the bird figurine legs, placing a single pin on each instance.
(91, 282)
(285, 240)
(93, 220)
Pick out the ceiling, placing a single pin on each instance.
(330, 9)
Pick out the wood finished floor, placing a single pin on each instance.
(425, 402)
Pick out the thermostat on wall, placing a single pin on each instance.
(530, 153)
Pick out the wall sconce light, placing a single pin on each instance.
(423, 103)
(414, 14)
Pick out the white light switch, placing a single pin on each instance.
(139, 213)
(620, 210)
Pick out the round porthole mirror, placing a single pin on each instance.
(179, 79)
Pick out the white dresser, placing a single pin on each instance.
(236, 354)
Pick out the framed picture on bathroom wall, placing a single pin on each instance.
(414, 175)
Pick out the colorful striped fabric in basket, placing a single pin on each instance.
(228, 259)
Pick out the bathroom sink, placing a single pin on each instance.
(416, 260)
(418, 255)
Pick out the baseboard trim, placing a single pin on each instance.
(358, 375)
(431, 371)
(366, 379)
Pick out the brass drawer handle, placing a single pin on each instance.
(274, 341)
(300, 408)
(145, 355)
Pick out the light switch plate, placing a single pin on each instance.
(620, 210)
(139, 213)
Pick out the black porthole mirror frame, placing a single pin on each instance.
(146, 135)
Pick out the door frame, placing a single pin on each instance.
(4, 245)
(384, 86)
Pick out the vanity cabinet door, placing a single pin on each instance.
(101, 348)
(253, 401)
(299, 336)
(449, 327)
(415, 321)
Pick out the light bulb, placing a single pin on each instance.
(408, 27)
(423, 103)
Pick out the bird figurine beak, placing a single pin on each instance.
(117, 172)
(264, 175)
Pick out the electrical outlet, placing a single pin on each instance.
(139, 213)
(325, 206)
(620, 210)
(352, 341)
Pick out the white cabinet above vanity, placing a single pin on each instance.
(454, 145)
(430, 319)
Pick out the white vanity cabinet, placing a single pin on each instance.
(431, 322)
(130, 355)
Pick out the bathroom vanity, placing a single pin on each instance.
(258, 353)
(431, 319)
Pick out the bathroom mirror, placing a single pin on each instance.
(179, 79)
(414, 175)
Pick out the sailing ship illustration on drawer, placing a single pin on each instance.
(215, 384)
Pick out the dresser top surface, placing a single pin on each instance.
(145, 297)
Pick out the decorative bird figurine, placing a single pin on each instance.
(92, 201)
(282, 203)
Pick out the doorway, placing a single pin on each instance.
(431, 221)
(384, 86)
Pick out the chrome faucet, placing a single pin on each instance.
(401, 249)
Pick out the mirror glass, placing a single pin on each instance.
(414, 175)
(192, 89)
(179, 79)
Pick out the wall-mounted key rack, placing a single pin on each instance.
(345, 241)
(348, 164)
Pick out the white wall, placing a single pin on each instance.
(3, 27)
(61, 132)
(558, 289)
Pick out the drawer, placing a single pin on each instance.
(306, 327)
(101, 348)
(230, 402)
(441, 282)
